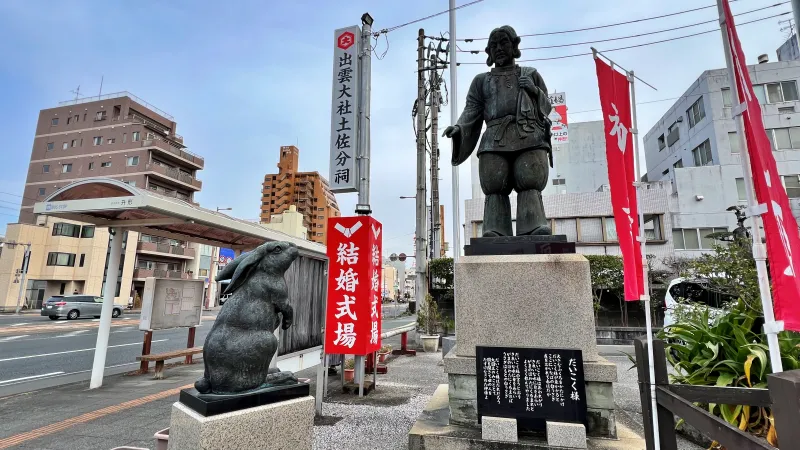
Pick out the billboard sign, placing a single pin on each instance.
(353, 313)
(169, 303)
(226, 255)
(344, 110)
(558, 117)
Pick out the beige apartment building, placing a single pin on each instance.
(116, 136)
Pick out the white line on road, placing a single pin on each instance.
(73, 333)
(74, 351)
(11, 338)
(19, 324)
(31, 377)
(95, 320)
(62, 322)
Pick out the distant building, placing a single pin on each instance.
(308, 191)
(789, 51)
(696, 147)
(288, 222)
(117, 136)
(389, 287)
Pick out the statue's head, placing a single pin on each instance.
(503, 47)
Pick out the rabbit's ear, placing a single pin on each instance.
(244, 268)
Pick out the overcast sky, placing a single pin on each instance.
(243, 78)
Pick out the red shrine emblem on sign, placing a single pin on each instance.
(345, 40)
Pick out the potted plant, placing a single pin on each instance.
(383, 352)
(430, 341)
(349, 370)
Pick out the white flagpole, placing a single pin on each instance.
(643, 244)
(754, 210)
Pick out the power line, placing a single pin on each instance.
(396, 27)
(549, 33)
(638, 103)
(639, 45)
(20, 196)
(635, 35)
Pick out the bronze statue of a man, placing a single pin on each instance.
(514, 152)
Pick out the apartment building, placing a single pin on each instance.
(695, 146)
(308, 191)
(116, 136)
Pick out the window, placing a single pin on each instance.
(150, 136)
(131, 183)
(124, 137)
(66, 168)
(81, 142)
(101, 115)
(87, 231)
(111, 141)
(41, 192)
(84, 117)
(727, 100)
(733, 140)
(591, 229)
(559, 181)
(665, 172)
(610, 229)
(45, 168)
(61, 259)
(69, 119)
(784, 138)
(203, 272)
(702, 154)
(662, 144)
(91, 166)
(105, 164)
(98, 140)
(75, 118)
(133, 161)
(696, 112)
(50, 146)
(741, 189)
(65, 146)
(792, 185)
(74, 143)
(135, 136)
(54, 122)
(66, 229)
(652, 228)
(695, 238)
(673, 133)
(320, 217)
(83, 259)
(678, 164)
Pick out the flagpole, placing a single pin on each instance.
(643, 244)
(754, 210)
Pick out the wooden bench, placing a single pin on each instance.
(159, 358)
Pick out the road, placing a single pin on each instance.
(36, 352)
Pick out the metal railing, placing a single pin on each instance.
(115, 95)
(175, 174)
(162, 144)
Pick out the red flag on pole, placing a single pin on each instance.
(780, 226)
(616, 104)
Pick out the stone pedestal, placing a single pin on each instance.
(542, 301)
(287, 425)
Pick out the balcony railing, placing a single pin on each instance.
(166, 249)
(160, 273)
(116, 95)
(175, 174)
(161, 144)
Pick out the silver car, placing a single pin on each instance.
(74, 306)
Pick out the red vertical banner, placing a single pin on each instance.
(353, 311)
(780, 226)
(615, 100)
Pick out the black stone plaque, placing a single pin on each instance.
(519, 245)
(213, 404)
(532, 385)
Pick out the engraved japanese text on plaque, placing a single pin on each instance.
(532, 385)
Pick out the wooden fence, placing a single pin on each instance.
(307, 281)
(783, 396)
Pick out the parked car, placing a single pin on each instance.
(696, 296)
(74, 306)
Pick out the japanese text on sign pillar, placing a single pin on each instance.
(344, 119)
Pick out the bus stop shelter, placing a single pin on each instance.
(106, 202)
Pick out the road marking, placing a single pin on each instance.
(19, 324)
(61, 323)
(73, 351)
(30, 377)
(95, 320)
(11, 338)
(73, 333)
(57, 427)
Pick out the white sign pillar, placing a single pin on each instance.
(345, 137)
(104, 328)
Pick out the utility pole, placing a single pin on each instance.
(23, 272)
(363, 207)
(421, 285)
(435, 98)
(456, 239)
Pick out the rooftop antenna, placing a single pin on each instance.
(101, 87)
(77, 92)
(789, 27)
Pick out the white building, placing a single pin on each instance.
(695, 146)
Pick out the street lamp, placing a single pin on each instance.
(223, 209)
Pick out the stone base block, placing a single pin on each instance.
(287, 425)
(569, 435)
(499, 429)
